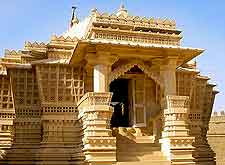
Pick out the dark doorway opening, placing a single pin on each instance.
(120, 116)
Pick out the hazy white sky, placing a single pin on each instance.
(202, 23)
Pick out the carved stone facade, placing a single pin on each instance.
(113, 89)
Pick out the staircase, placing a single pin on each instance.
(131, 152)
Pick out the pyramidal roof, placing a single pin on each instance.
(79, 30)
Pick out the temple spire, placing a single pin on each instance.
(74, 19)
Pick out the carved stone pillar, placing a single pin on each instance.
(168, 74)
(95, 114)
(101, 78)
(176, 142)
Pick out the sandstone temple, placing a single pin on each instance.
(113, 89)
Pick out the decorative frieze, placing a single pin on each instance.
(148, 39)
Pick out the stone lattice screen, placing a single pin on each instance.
(200, 93)
(27, 106)
(7, 114)
(60, 83)
(197, 88)
(6, 101)
(25, 90)
(25, 87)
(185, 81)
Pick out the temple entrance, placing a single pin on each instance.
(120, 117)
(136, 101)
(128, 101)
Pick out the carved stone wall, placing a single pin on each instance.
(202, 97)
(27, 126)
(60, 88)
(7, 115)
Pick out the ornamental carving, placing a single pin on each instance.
(178, 101)
(135, 20)
(122, 69)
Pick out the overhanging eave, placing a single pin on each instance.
(128, 50)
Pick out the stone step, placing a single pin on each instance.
(156, 153)
(142, 157)
(150, 162)
(41, 162)
(137, 148)
(130, 151)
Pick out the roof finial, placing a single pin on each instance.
(122, 6)
(74, 19)
(122, 11)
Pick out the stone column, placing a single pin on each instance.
(101, 78)
(168, 74)
(95, 113)
(176, 142)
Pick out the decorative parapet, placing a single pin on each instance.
(134, 29)
(218, 117)
(22, 56)
(61, 39)
(95, 113)
(61, 47)
(216, 124)
(220, 113)
(135, 20)
(35, 45)
(12, 52)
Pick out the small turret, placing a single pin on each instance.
(74, 19)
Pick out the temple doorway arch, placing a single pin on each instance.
(135, 96)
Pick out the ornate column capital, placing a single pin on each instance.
(170, 63)
(101, 57)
